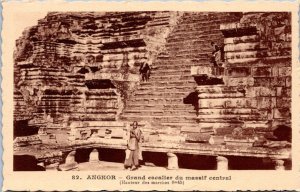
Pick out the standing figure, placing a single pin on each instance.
(216, 54)
(145, 71)
(217, 58)
(133, 147)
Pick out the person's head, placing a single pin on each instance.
(134, 124)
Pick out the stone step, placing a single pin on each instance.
(225, 112)
(135, 106)
(190, 39)
(151, 93)
(172, 63)
(162, 96)
(221, 95)
(164, 113)
(227, 103)
(186, 83)
(171, 77)
(215, 125)
(170, 124)
(183, 88)
(182, 119)
(229, 118)
(164, 71)
(156, 100)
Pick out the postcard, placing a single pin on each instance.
(151, 95)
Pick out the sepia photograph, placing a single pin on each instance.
(153, 90)
(140, 96)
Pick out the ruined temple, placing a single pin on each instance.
(77, 87)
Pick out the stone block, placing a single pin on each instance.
(278, 82)
(283, 92)
(117, 133)
(242, 60)
(242, 39)
(224, 130)
(262, 71)
(239, 71)
(241, 47)
(282, 113)
(172, 138)
(241, 55)
(275, 71)
(261, 91)
(277, 122)
(216, 140)
(240, 81)
(284, 71)
(190, 129)
(256, 124)
(201, 70)
(283, 102)
(262, 81)
(264, 102)
(288, 82)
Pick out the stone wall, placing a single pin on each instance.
(253, 99)
(82, 66)
(77, 78)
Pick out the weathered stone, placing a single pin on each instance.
(284, 71)
(279, 165)
(222, 163)
(172, 161)
(52, 167)
(262, 71)
(216, 140)
(239, 71)
(282, 113)
(94, 156)
(82, 88)
(243, 39)
(70, 163)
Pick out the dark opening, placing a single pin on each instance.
(186, 161)
(21, 128)
(99, 84)
(82, 155)
(192, 99)
(283, 133)
(249, 163)
(156, 158)
(205, 80)
(26, 163)
(66, 41)
(83, 70)
(112, 155)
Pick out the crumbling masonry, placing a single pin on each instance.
(77, 85)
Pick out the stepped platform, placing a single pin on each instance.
(79, 87)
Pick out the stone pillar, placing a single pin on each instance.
(222, 163)
(94, 156)
(70, 163)
(172, 161)
(279, 164)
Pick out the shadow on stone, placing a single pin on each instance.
(26, 163)
(283, 133)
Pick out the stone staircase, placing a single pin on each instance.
(160, 101)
